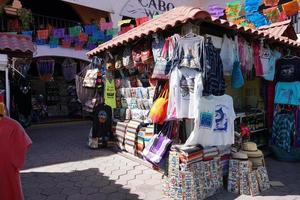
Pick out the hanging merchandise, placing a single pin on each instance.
(273, 14)
(159, 145)
(257, 62)
(127, 58)
(163, 61)
(214, 122)
(268, 59)
(110, 93)
(233, 10)
(141, 20)
(213, 78)
(43, 34)
(159, 109)
(291, 8)
(287, 69)
(45, 67)
(69, 67)
(270, 3)
(287, 93)
(252, 6)
(216, 10)
(237, 79)
(228, 54)
(83, 93)
(189, 52)
(257, 19)
(59, 33)
(90, 78)
(185, 89)
(283, 130)
(74, 31)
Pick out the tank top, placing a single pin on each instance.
(110, 94)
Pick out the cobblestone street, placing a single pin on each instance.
(59, 166)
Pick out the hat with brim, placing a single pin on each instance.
(257, 162)
(249, 146)
(239, 156)
(253, 154)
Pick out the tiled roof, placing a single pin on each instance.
(16, 43)
(279, 29)
(166, 20)
(181, 15)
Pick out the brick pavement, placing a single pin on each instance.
(59, 166)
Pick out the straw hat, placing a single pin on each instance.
(249, 146)
(239, 156)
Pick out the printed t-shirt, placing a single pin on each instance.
(268, 63)
(287, 69)
(185, 86)
(214, 124)
(287, 93)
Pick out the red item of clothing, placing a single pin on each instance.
(270, 102)
(141, 20)
(14, 143)
(257, 61)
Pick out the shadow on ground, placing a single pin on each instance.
(54, 144)
(80, 185)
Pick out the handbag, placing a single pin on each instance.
(158, 112)
(159, 144)
(127, 58)
(146, 54)
(163, 63)
(90, 105)
(137, 55)
(90, 78)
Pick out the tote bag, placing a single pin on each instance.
(158, 112)
(158, 145)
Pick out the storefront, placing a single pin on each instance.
(198, 93)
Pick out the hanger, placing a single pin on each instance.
(190, 30)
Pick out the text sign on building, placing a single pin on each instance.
(149, 8)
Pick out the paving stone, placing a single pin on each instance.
(89, 190)
(98, 196)
(51, 191)
(36, 197)
(57, 196)
(76, 197)
(109, 189)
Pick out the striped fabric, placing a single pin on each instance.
(214, 82)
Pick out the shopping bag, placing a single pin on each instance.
(158, 112)
(90, 78)
(237, 79)
(158, 145)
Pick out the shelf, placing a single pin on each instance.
(249, 115)
(258, 130)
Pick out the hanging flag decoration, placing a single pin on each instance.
(99, 35)
(233, 10)
(105, 25)
(59, 32)
(91, 46)
(122, 22)
(257, 19)
(40, 41)
(216, 10)
(141, 20)
(291, 8)
(273, 14)
(271, 3)
(53, 42)
(74, 31)
(43, 34)
(252, 6)
(66, 41)
(112, 32)
(90, 29)
(83, 37)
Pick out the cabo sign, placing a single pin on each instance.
(149, 8)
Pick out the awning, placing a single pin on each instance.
(181, 15)
(16, 45)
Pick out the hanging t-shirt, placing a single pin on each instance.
(185, 86)
(189, 52)
(214, 123)
(257, 61)
(228, 54)
(110, 93)
(287, 69)
(287, 93)
(268, 60)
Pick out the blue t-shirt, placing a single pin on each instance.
(288, 93)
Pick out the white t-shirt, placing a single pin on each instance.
(268, 61)
(185, 87)
(228, 54)
(214, 124)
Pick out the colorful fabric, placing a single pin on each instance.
(74, 31)
(257, 62)
(291, 8)
(106, 25)
(287, 93)
(283, 130)
(252, 6)
(233, 10)
(90, 29)
(257, 19)
(271, 3)
(59, 33)
(216, 10)
(273, 14)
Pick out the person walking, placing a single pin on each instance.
(14, 143)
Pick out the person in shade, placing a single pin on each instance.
(14, 143)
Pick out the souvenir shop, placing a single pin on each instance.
(194, 96)
(44, 90)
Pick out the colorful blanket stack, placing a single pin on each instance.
(224, 153)
(140, 141)
(144, 137)
(131, 135)
(189, 154)
(209, 153)
(120, 133)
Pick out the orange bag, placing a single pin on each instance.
(158, 112)
(291, 8)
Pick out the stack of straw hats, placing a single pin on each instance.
(254, 155)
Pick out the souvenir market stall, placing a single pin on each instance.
(189, 95)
